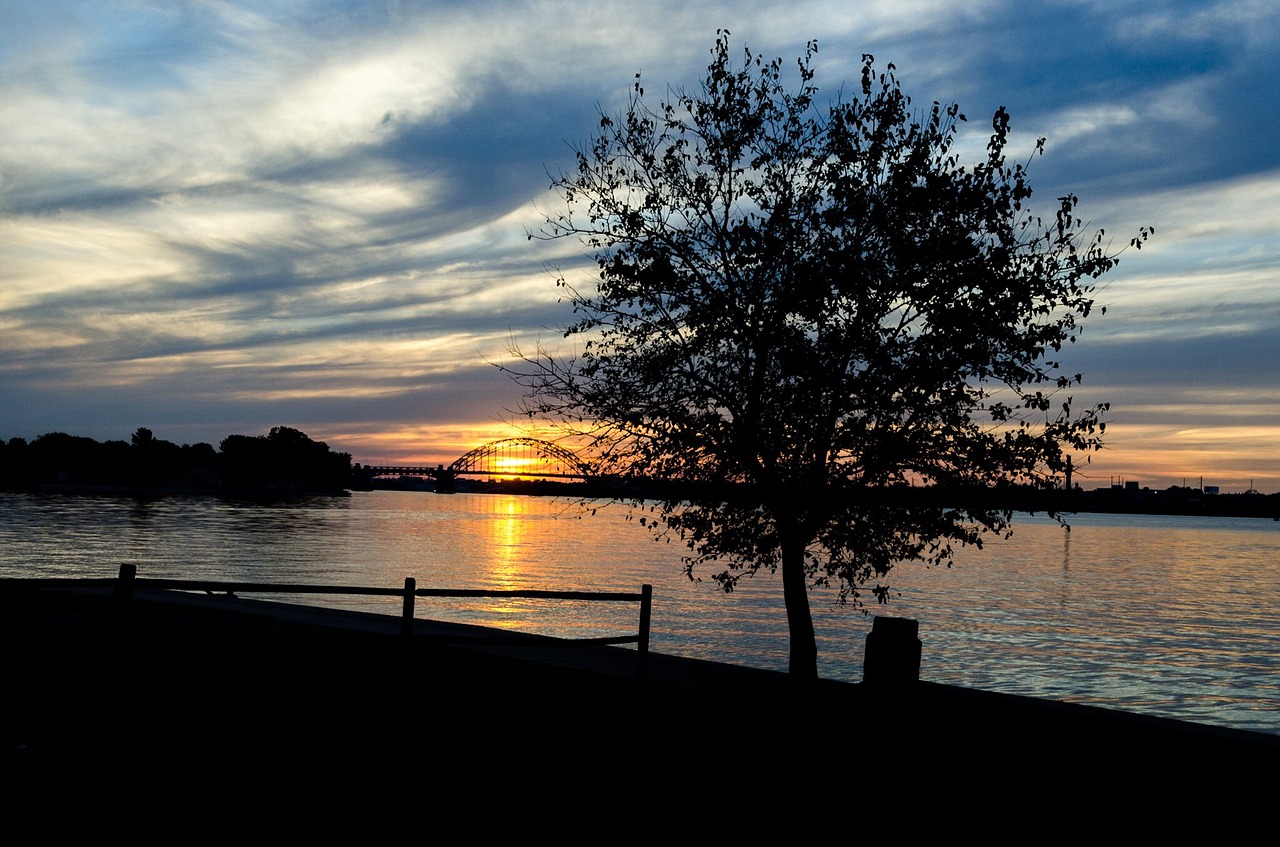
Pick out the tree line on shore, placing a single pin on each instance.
(287, 461)
(284, 461)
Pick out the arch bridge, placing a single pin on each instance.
(508, 457)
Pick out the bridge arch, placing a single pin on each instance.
(522, 457)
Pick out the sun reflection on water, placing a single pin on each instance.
(508, 525)
(507, 531)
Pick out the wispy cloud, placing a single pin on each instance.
(223, 216)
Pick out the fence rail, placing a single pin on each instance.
(124, 585)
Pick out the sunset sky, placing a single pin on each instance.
(219, 217)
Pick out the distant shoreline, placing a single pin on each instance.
(1172, 502)
(1116, 500)
(176, 491)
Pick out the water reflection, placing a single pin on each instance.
(510, 522)
(1143, 605)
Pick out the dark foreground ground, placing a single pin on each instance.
(216, 707)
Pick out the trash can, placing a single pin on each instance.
(893, 651)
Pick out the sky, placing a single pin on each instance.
(220, 217)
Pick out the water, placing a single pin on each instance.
(1171, 616)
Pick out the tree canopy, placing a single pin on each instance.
(802, 310)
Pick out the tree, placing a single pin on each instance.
(804, 311)
(284, 460)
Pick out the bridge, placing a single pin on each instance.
(527, 458)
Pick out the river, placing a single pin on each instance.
(1172, 616)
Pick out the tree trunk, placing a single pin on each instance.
(803, 660)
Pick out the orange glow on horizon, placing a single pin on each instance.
(1231, 457)
(417, 445)
(517, 465)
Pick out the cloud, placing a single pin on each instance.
(226, 216)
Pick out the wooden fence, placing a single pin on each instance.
(128, 580)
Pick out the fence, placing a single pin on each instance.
(123, 587)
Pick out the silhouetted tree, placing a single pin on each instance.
(15, 463)
(57, 457)
(156, 462)
(199, 455)
(804, 307)
(283, 460)
(142, 438)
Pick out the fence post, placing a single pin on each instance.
(122, 597)
(642, 646)
(406, 619)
